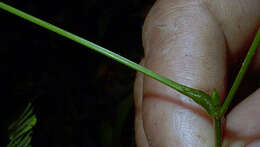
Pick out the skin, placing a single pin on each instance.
(196, 43)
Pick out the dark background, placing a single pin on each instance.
(81, 98)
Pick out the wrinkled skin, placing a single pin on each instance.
(195, 42)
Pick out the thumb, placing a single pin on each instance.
(183, 42)
(243, 121)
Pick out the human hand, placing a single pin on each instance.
(196, 43)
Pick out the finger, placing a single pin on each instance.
(255, 68)
(140, 137)
(239, 21)
(243, 122)
(183, 42)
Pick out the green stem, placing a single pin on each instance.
(198, 96)
(218, 131)
(241, 74)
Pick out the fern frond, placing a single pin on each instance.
(19, 132)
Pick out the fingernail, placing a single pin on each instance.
(254, 144)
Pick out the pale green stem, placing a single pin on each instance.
(198, 96)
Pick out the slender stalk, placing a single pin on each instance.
(198, 96)
(241, 73)
(218, 131)
(86, 43)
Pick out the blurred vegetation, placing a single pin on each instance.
(80, 97)
(20, 130)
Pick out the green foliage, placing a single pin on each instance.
(19, 132)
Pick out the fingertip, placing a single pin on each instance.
(255, 65)
(244, 119)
